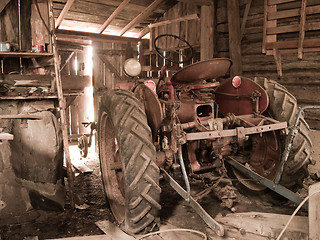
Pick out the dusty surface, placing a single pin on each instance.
(175, 211)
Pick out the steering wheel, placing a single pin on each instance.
(160, 52)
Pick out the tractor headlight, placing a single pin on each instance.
(132, 67)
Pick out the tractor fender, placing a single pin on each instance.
(235, 98)
(151, 106)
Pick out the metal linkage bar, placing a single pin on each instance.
(213, 224)
(293, 133)
(235, 132)
(268, 183)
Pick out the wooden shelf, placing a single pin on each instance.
(25, 54)
(70, 94)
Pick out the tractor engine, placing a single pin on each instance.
(193, 107)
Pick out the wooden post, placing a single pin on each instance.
(302, 28)
(207, 32)
(314, 212)
(62, 109)
(234, 36)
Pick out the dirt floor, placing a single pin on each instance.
(92, 207)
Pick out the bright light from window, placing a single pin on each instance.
(76, 64)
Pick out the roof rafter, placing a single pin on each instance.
(64, 12)
(3, 4)
(141, 16)
(113, 15)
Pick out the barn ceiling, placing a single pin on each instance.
(128, 18)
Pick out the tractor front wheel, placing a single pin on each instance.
(127, 160)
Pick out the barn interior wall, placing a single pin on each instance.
(300, 77)
(108, 59)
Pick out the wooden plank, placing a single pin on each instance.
(141, 16)
(245, 17)
(6, 136)
(62, 108)
(307, 43)
(144, 32)
(314, 211)
(93, 237)
(207, 32)
(293, 28)
(64, 12)
(267, 225)
(180, 19)
(277, 59)
(234, 36)
(273, 2)
(3, 4)
(112, 230)
(113, 15)
(302, 28)
(69, 34)
(265, 22)
(197, 2)
(293, 12)
(111, 67)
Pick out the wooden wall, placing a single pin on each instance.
(108, 59)
(9, 24)
(301, 77)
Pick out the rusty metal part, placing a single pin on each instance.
(233, 132)
(268, 183)
(210, 124)
(189, 87)
(190, 110)
(293, 133)
(151, 105)
(239, 101)
(213, 224)
(205, 70)
(264, 159)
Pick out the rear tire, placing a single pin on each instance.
(127, 159)
(283, 107)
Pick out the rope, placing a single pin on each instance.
(174, 230)
(294, 213)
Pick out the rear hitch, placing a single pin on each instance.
(185, 194)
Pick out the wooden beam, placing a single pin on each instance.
(234, 36)
(245, 17)
(293, 12)
(265, 21)
(140, 17)
(273, 2)
(113, 15)
(110, 66)
(144, 32)
(277, 59)
(302, 28)
(3, 4)
(180, 19)
(64, 13)
(68, 34)
(314, 211)
(207, 32)
(258, 225)
(198, 2)
(307, 43)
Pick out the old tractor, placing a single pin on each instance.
(196, 120)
